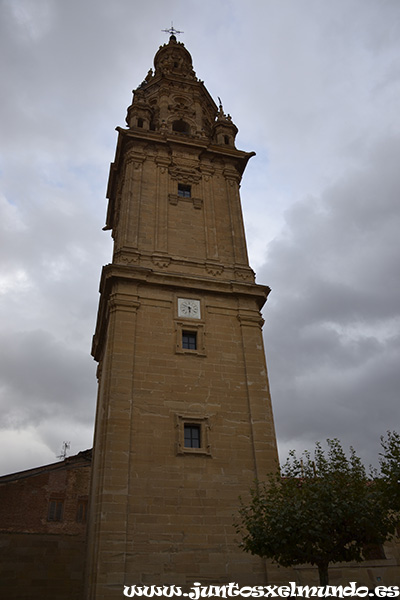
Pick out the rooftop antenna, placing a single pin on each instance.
(172, 30)
(65, 447)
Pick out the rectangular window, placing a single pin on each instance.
(184, 191)
(55, 510)
(189, 340)
(192, 436)
(81, 511)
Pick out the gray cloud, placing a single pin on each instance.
(29, 396)
(333, 320)
(314, 89)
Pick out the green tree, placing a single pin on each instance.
(389, 476)
(315, 510)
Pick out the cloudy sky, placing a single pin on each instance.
(314, 87)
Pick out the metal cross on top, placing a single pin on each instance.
(172, 30)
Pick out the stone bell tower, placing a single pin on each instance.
(184, 422)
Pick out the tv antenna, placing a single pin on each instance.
(65, 447)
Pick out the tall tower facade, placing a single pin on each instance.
(184, 422)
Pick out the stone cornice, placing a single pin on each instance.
(200, 144)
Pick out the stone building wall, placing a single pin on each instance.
(43, 560)
(41, 566)
(43, 530)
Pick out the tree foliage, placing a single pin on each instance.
(315, 510)
(390, 469)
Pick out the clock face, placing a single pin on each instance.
(189, 308)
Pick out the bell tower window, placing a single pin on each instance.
(140, 122)
(181, 126)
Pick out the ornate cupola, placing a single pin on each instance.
(173, 58)
(174, 100)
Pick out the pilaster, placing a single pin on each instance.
(109, 510)
(258, 393)
(161, 219)
(238, 236)
(129, 217)
(209, 213)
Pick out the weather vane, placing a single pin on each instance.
(172, 30)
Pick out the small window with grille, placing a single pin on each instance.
(192, 436)
(184, 191)
(189, 340)
(190, 337)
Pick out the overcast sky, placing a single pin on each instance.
(314, 87)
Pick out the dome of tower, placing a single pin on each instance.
(174, 59)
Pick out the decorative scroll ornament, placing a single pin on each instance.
(184, 174)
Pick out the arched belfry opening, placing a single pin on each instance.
(181, 126)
